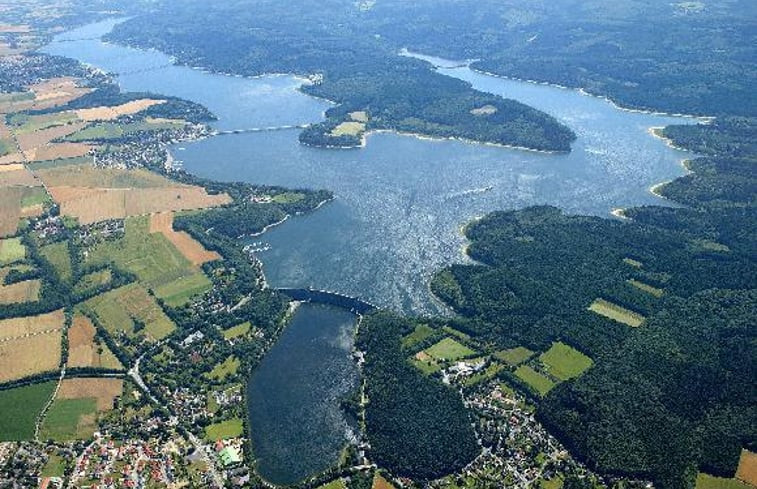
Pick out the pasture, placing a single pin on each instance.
(419, 334)
(514, 356)
(70, 419)
(20, 407)
(225, 369)
(616, 313)
(83, 348)
(118, 309)
(565, 362)
(237, 331)
(20, 292)
(231, 428)
(449, 349)
(538, 382)
(11, 251)
(58, 256)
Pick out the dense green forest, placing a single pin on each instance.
(673, 395)
(417, 426)
(356, 69)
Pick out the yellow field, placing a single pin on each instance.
(29, 355)
(82, 349)
(348, 128)
(111, 113)
(359, 116)
(616, 313)
(646, 288)
(747, 470)
(192, 250)
(16, 327)
(105, 390)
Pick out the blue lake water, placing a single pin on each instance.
(400, 204)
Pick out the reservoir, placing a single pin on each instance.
(400, 204)
(298, 426)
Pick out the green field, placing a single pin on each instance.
(237, 331)
(11, 250)
(231, 428)
(336, 484)
(70, 419)
(450, 350)
(55, 467)
(565, 362)
(514, 356)
(616, 313)
(489, 373)
(534, 379)
(288, 198)
(34, 196)
(58, 256)
(223, 370)
(93, 280)
(706, 481)
(48, 164)
(154, 260)
(419, 334)
(20, 408)
(117, 309)
(6, 147)
(646, 288)
(427, 367)
(29, 123)
(16, 97)
(108, 130)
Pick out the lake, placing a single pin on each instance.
(400, 205)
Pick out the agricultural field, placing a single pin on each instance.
(706, 481)
(103, 390)
(747, 470)
(192, 250)
(105, 113)
(657, 292)
(514, 356)
(20, 407)
(30, 325)
(16, 175)
(616, 313)
(231, 428)
(237, 331)
(381, 483)
(118, 309)
(70, 419)
(83, 348)
(449, 349)
(58, 256)
(20, 292)
(540, 383)
(565, 362)
(11, 251)
(30, 355)
(419, 334)
(155, 261)
(25, 123)
(223, 370)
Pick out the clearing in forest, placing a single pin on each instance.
(540, 383)
(132, 310)
(616, 313)
(448, 349)
(649, 289)
(514, 356)
(20, 407)
(565, 362)
(84, 350)
(419, 334)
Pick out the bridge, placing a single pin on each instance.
(261, 129)
(355, 305)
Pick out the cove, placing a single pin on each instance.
(297, 425)
(401, 201)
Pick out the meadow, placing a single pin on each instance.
(226, 368)
(419, 334)
(11, 251)
(237, 331)
(514, 356)
(565, 362)
(58, 256)
(20, 407)
(449, 349)
(231, 428)
(540, 383)
(70, 419)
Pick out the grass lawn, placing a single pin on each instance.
(537, 381)
(237, 331)
(514, 356)
(565, 362)
(223, 370)
(288, 198)
(449, 349)
(421, 332)
(20, 408)
(616, 313)
(11, 250)
(231, 428)
(706, 481)
(70, 419)
(646, 288)
(58, 256)
(55, 467)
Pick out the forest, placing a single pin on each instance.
(417, 426)
(672, 396)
